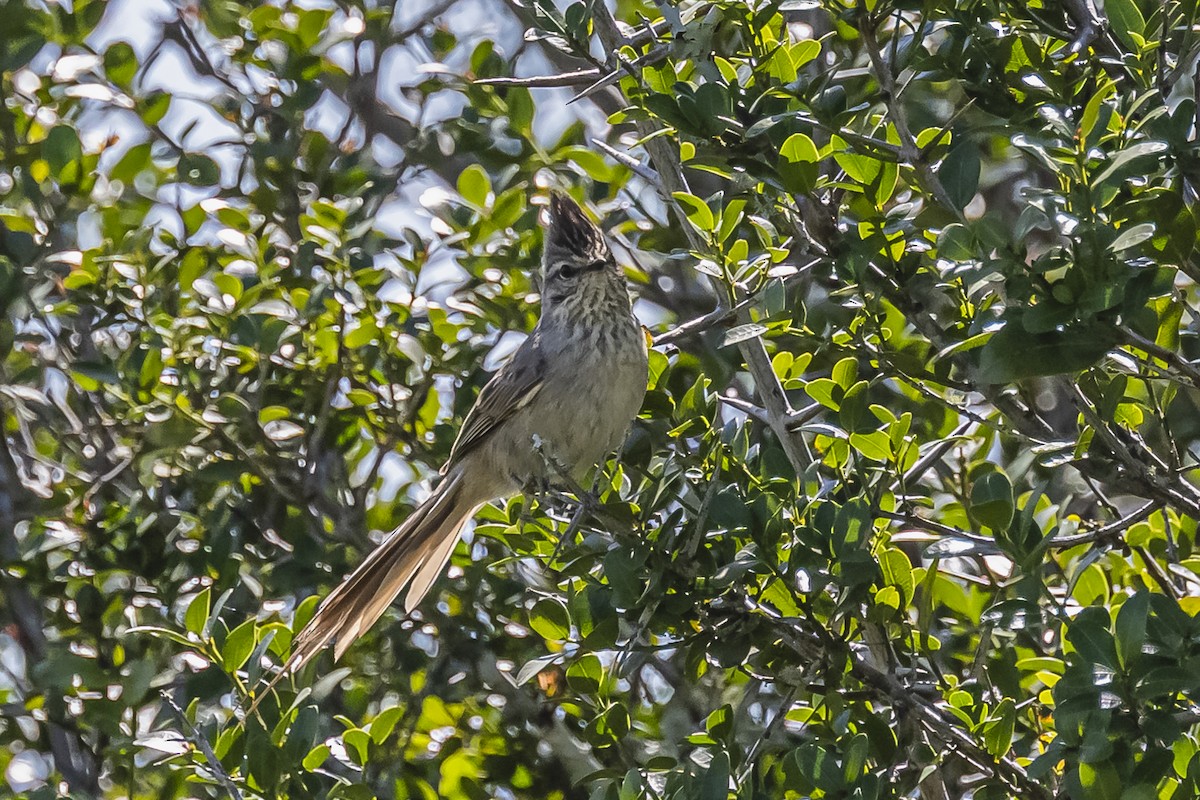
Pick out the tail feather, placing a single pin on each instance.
(429, 571)
(413, 556)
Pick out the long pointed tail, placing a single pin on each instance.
(413, 556)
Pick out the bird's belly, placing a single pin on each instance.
(581, 413)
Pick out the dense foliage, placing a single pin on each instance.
(911, 507)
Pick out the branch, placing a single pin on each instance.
(581, 77)
(1112, 532)
(653, 57)
(642, 171)
(935, 454)
(754, 352)
(908, 143)
(1109, 533)
(941, 530)
(1141, 471)
(1172, 359)
(718, 315)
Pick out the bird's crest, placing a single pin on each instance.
(571, 230)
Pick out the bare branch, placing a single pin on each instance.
(581, 77)
(1172, 359)
(1112, 532)
(642, 171)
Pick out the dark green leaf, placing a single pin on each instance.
(959, 173)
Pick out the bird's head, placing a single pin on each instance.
(577, 262)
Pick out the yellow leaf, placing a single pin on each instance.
(1190, 604)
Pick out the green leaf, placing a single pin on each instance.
(151, 369)
(586, 674)
(798, 166)
(720, 722)
(61, 148)
(715, 783)
(198, 170)
(316, 757)
(383, 725)
(196, 617)
(697, 211)
(1089, 635)
(301, 735)
(155, 107)
(859, 168)
(855, 756)
(897, 571)
(590, 161)
(120, 63)
(311, 24)
(1132, 237)
(804, 51)
(549, 618)
(888, 597)
(358, 745)
(959, 173)
(1130, 628)
(1131, 160)
(874, 445)
(845, 372)
(955, 244)
(1013, 354)
(132, 163)
(366, 332)
(998, 730)
(731, 215)
(781, 67)
(1091, 122)
(1100, 781)
(992, 500)
(239, 644)
(826, 392)
(820, 768)
(1125, 18)
(474, 185)
(620, 568)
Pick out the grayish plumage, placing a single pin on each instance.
(574, 385)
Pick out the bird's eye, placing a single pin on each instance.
(567, 271)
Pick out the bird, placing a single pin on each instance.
(565, 399)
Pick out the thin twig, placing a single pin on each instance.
(642, 171)
(784, 705)
(580, 77)
(1170, 357)
(649, 59)
(200, 743)
(1112, 531)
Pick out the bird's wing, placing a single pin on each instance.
(513, 387)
